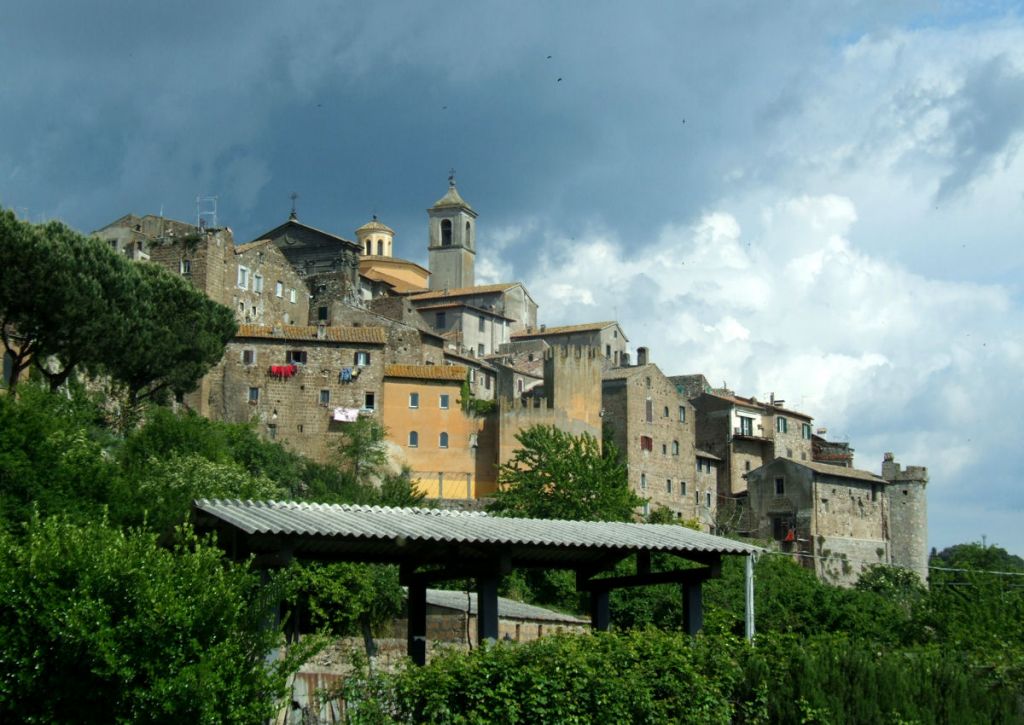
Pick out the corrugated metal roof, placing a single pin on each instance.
(507, 608)
(375, 335)
(456, 373)
(396, 532)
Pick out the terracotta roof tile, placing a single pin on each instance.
(454, 373)
(370, 335)
(564, 330)
(839, 471)
(400, 285)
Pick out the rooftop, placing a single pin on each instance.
(509, 608)
(372, 533)
(465, 291)
(564, 330)
(371, 335)
(456, 373)
(451, 199)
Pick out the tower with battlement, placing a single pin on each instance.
(908, 515)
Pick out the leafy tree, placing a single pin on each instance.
(361, 448)
(556, 475)
(172, 336)
(104, 626)
(61, 299)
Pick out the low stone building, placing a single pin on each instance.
(293, 381)
(840, 520)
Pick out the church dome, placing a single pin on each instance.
(375, 226)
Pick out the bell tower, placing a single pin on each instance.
(452, 240)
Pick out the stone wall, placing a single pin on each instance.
(289, 409)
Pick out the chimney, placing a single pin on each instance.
(641, 356)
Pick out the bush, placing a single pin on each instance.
(99, 625)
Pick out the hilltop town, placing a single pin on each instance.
(331, 330)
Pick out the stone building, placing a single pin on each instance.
(508, 300)
(607, 337)
(747, 434)
(652, 425)
(300, 384)
(449, 450)
(841, 520)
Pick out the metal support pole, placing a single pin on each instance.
(417, 634)
(599, 612)
(693, 610)
(486, 609)
(748, 610)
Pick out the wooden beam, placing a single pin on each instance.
(679, 576)
(497, 567)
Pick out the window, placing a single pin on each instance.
(805, 431)
(321, 314)
(607, 350)
(746, 465)
(414, 439)
(414, 400)
(707, 499)
(439, 320)
(291, 296)
(254, 396)
(649, 411)
(446, 232)
(780, 424)
(646, 443)
(362, 359)
(682, 413)
(487, 382)
(369, 401)
(668, 485)
(297, 357)
(643, 481)
(257, 283)
(665, 413)
(248, 357)
(472, 375)
(279, 288)
(444, 401)
(480, 350)
(380, 247)
(243, 277)
(481, 324)
(664, 449)
(682, 488)
(780, 486)
(325, 397)
(185, 267)
(519, 385)
(746, 426)
(675, 448)
(442, 441)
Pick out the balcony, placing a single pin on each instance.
(742, 434)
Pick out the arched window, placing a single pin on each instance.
(380, 247)
(369, 248)
(446, 232)
(443, 440)
(414, 439)
(469, 238)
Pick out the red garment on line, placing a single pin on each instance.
(283, 371)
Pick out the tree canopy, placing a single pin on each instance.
(556, 475)
(69, 302)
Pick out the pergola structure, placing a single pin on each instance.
(431, 545)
